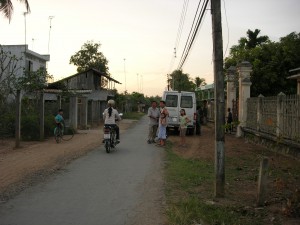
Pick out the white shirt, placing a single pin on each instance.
(153, 113)
(111, 119)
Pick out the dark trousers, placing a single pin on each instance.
(198, 128)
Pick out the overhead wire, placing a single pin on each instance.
(179, 31)
(193, 31)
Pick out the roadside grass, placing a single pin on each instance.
(133, 115)
(189, 193)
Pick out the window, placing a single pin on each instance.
(186, 102)
(171, 100)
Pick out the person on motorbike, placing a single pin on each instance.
(110, 115)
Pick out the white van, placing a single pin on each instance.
(180, 100)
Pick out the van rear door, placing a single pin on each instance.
(188, 103)
(172, 104)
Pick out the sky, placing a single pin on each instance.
(142, 32)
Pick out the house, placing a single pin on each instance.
(31, 61)
(296, 76)
(89, 91)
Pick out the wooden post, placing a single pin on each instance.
(42, 116)
(262, 181)
(219, 98)
(259, 112)
(279, 121)
(18, 119)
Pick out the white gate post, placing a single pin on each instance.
(244, 70)
(231, 89)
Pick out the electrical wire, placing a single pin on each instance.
(227, 29)
(179, 32)
(194, 31)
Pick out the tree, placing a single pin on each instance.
(6, 7)
(89, 57)
(9, 68)
(199, 81)
(271, 63)
(181, 81)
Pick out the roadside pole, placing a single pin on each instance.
(219, 98)
(18, 119)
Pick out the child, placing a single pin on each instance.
(184, 120)
(162, 129)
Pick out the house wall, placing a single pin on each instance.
(87, 81)
(32, 61)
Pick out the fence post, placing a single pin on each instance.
(18, 119)
(42, 116)
(279, 123)
(262, 181)
(259, 111)
(244, 70)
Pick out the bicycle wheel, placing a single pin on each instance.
(57, 134)
(68, 134)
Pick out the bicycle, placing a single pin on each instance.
(63, 133)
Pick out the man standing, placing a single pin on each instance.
(153, 114)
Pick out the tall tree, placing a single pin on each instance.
(271, 63)
(199, 81)
(6, 7)
(180, 81)
(89, 57)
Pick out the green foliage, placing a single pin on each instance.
(33, 81)
(133, 115)
(181, 81)
(89, 57)
(271, 62)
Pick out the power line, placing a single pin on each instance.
(193, 31)
(179, 31)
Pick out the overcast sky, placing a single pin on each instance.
(141, 31)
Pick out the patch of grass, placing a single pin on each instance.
(189, 186)
(133, 115)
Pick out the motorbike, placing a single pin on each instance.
(110, 136)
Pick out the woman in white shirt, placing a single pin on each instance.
(110, 115)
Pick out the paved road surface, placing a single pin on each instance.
(123, 187)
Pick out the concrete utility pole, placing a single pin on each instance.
(219, 98)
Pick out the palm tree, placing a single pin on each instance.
(6, 7)
(199, 81)
(254, 40)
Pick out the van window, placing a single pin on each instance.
(171, 100)
(186, 102)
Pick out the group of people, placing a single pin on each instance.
(158, 124)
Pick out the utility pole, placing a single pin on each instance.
(219, 98)
(125, 91)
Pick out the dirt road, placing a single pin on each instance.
(123, 187)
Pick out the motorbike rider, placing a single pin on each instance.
(110, 115)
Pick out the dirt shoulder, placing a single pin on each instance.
(242, 161)
(34, 161)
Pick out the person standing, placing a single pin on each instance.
(153, 114)
(199, 114)
(184, 120)
(162, 134)
(229, 121)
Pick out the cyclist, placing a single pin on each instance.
(59, 120)
(110, 115)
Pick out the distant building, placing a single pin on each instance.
(296, 76)
(90, 91)
(31, 61)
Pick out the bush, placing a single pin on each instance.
(30, 127)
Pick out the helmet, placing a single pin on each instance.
(111, 102)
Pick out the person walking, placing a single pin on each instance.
(153, 114)
(184, 120)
